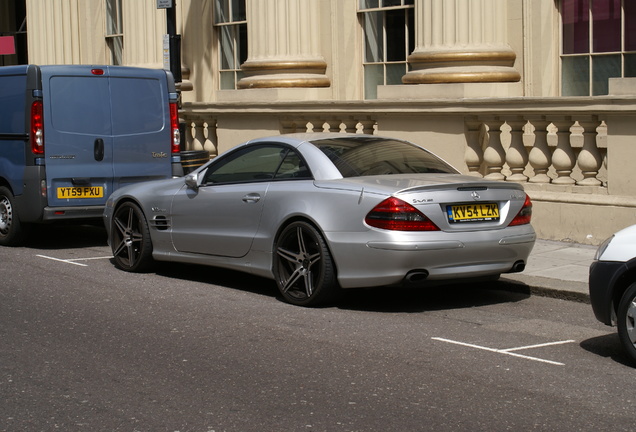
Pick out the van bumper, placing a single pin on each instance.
(63, 213)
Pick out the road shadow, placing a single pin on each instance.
(225, 278)
(382, 299)
(422, 299)
(608, 346)
(61, 235)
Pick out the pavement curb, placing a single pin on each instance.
(545, 287)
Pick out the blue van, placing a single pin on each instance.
(72, 134)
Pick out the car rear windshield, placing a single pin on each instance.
(367, 156)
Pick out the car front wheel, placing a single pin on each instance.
(303, 267)
(130, 239)
(627, 321)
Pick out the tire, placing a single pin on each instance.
(12, 232)
(303, 267)
(626, 321)
(130, 239)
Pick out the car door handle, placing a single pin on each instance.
(98, 149)
(251, 198)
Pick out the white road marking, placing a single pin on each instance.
(540, 345)
(73, 261)
(509, 351)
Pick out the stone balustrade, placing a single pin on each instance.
(564, 151)
(574, 156)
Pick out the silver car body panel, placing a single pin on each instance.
(235, 226)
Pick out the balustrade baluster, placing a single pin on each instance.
(196, 130)
(517, 156)
(474, 155)
(494, 154)
(366, 127)
(589, 159)
(563, 158)
(539, 156)
(210, 138)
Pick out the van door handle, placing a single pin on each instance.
(99, 149)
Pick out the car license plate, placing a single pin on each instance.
(482, 212)
(80, 192)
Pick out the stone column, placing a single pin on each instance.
(461, 41)
(283, 45)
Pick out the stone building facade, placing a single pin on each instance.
(532, 91)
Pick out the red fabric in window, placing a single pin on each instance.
(629, 11)
(575, 23)
(606, 26)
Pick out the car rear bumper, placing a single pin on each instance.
(382, 262)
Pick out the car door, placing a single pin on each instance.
(222, 216)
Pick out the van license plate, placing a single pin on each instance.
(482, 212)
(80, 192)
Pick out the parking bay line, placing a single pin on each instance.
(73, 261)
(509, 351)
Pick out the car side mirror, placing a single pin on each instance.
(192, 181)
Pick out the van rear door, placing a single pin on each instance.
(105, 127)
(141, 125)
(78, 143)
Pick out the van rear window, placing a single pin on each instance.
(145, 98)
(80, 105)
(12, 102)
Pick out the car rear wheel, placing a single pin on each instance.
(130, 239)
(627, 321)
(303, 267)
(11, 230)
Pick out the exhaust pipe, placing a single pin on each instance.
(415, 277)
(517, 267)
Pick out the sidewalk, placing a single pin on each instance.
(555, 269)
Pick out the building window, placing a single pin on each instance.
(230, 23)
(598, 43)
(114, 31)
(389, 37)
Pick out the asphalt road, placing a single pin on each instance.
(86, 347)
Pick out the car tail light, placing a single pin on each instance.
(397, 215)
(174, 127)
(37, 128)
(524, 215)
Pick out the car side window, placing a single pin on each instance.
(292, 166)
(257, 163)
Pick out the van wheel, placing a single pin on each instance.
(11, 232)
(130, 239)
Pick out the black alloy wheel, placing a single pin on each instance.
(303, 267)
(130, 239)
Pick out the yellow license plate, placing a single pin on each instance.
(80, 192)
(482, 212)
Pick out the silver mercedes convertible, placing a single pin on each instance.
(322, 212)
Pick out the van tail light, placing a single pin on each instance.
(396, 215)
(174, 128)
(37, 128)
(524, 215)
